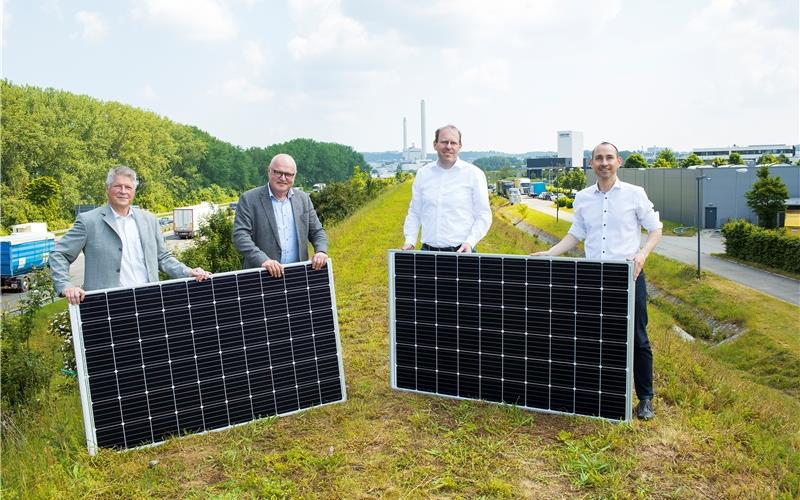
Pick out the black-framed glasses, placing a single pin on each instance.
(286, 175)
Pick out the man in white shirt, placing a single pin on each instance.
(450, 200)
(122, 245)
(609, 215)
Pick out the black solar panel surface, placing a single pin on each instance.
(187, 357)
(546, 334)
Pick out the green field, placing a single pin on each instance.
(727, 417)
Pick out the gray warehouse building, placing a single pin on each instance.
(673, 191)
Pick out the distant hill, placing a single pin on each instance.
(470, 156)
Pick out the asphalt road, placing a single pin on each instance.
(684, 249)
(10, 300)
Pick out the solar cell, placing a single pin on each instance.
(181, 356)
(549, 334)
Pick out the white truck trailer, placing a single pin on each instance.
(187, 220)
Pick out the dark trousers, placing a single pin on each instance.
(642, 354)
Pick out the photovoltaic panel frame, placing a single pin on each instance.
(549, 334)
(183, 357)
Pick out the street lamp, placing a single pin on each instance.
(558, 183)
(736, 194)
(699, 179)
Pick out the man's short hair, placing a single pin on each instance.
(605, 143)
(451, 127)
(123, 171)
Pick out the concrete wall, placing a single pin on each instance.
(673, 191)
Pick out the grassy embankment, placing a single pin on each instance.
(719, 432)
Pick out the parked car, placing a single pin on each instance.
(545, 195)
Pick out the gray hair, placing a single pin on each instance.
(123, 171)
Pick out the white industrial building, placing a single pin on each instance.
(570, 146)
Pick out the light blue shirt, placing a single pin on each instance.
(286, 227)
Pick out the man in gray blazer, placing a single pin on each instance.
(122, 245)
(274, 223)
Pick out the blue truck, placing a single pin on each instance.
(21, 253)
(537, 188)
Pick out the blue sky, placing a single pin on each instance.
(509, 73)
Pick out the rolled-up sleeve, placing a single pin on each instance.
(645, 212)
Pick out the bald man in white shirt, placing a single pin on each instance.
(609, 215)
(450, 200)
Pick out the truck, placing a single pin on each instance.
(523, 184)
(187, 220)
(503, 186)
(26, 249)
(538, 188)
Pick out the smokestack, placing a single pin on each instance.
(424, 139)
(405, 137)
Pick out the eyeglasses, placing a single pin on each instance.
(286, 175)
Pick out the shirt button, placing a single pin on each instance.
(117, 270)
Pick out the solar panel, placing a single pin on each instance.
(181, 357)
(543, 333)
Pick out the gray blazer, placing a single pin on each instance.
(95, 233)
(255, 230)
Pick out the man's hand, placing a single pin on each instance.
(74, 295)
(318, 260)
(199, 274)
(407, 247)
(543, 253)
(464, 248)
(638, 263)
(274, 267)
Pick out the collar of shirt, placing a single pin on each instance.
(617, 185)
(118, 216)
(288, 195)
(458, 164)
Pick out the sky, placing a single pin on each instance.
(508, 73)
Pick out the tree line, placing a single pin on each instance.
(58, 146)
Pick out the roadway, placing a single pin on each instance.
(10, 300)
(684, 249)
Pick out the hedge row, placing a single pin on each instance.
(772, 247)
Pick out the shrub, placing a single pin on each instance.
(214, 250)
(772, 247)
(25, 372)
(61, 328)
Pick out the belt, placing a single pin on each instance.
(430, 248)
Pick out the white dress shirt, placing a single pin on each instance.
(132, 270)
(610, 222)
(451, 204)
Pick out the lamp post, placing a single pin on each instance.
(699, 179)
(558, 183)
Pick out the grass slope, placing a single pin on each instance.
(717, 434)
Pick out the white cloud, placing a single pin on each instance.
(92, 24)
(490, 75)
(205, 20)
(254, 55)
(245, 90)
(147, 93)
(328, 36)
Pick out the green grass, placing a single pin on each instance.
(669, 229)
(720, 430)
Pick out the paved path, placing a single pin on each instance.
(684, 249)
